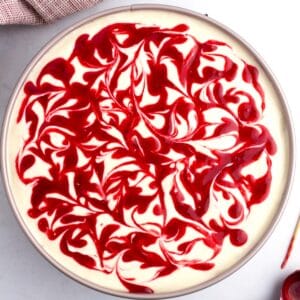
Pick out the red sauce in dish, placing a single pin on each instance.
(291, 287)
(124, 156)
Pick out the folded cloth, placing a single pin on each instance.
(39, 11)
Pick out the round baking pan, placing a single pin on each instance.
(239, 43)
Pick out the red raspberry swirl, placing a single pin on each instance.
(137, 147)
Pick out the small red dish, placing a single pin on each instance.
(290, 289)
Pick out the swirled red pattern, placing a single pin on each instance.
(137, 147)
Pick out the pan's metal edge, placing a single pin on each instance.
(286, 112)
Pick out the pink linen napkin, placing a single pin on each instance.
(39, 11)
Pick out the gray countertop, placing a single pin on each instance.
(273, 31)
